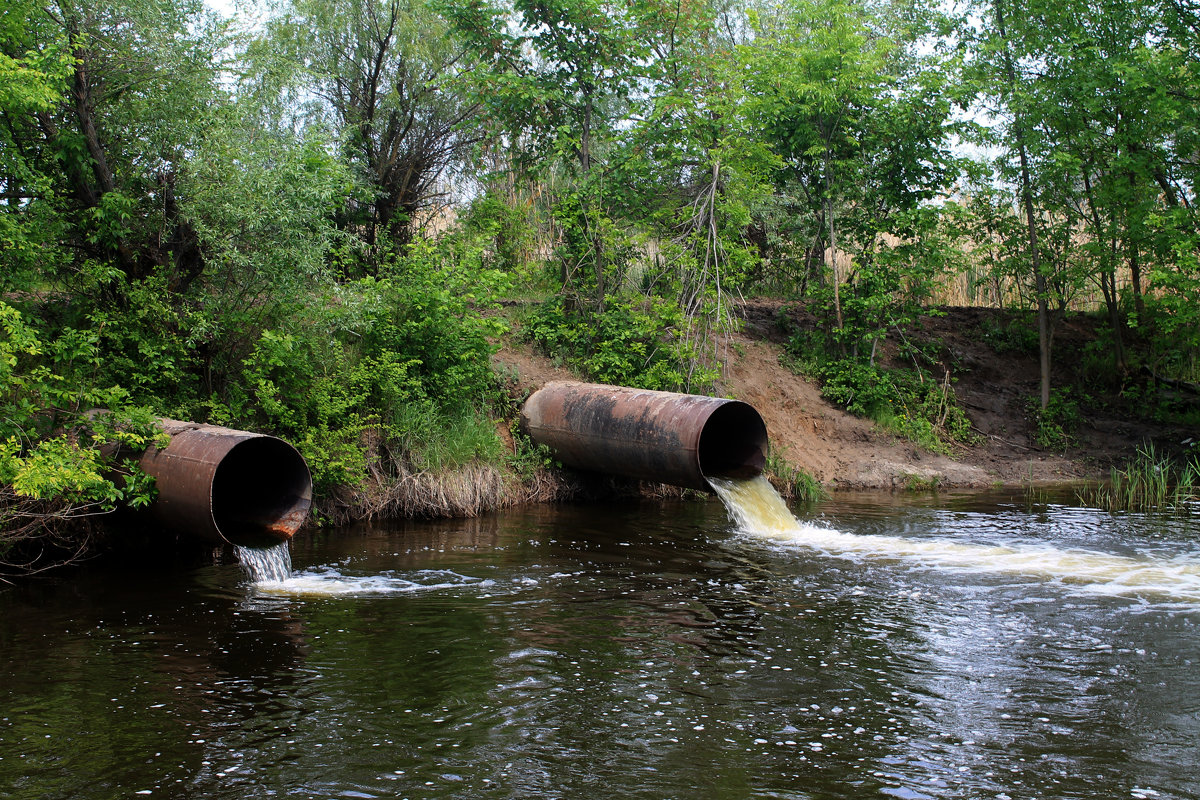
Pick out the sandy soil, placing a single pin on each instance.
(847, 452)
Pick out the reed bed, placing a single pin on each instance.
(1153, 481)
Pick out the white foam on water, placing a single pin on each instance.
(330, 582)
(758, 510)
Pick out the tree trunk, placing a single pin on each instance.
(1039, 279)
(596, 237)
(833, 263)
(1108, 278)
(1135, 273)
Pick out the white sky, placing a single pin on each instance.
(222, 7)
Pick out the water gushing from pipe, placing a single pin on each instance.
(757, 510)
(264, 564)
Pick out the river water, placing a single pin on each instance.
(973, 646)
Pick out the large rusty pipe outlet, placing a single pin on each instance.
(636, 433)
(226, 485)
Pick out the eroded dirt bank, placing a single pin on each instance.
(847, 452)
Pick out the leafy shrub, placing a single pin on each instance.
(511, 236)
(58, 463)
(908, 402)
(636, 341)
(406, 353)
(1011, 337)
(1057, 424)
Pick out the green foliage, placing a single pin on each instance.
(557, 69)
(48, 449)
(144, 345)
(527, 458)
(636, 341)
(508, 232)
(1057, 424)
(908, 402)
(792, 481)
(404, 355)
(1013, 336)
(392, 81)
(858, 116)
(921, 483)
(1171, 322)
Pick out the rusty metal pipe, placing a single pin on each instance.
(226, 485)
(657, 436)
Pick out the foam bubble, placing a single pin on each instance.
(330, 582)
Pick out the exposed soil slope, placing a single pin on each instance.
(847, 452)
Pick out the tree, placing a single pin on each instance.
(861, 125)
(1097, 100)
(390, 75)
(109, 150)
(560, 72)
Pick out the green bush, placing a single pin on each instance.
(1057, 424)
(1013, 336)
(57, 462)
(636, 341)
(911, 403)
(405, 354)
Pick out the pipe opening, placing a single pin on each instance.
(261, 492)
(733, 442)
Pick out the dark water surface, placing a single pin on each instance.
(627, 651)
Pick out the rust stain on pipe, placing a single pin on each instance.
(636, 433)
(226, 485)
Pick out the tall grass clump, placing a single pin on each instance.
(794, 483)
(1151, 482)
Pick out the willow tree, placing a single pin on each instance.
(389, 76)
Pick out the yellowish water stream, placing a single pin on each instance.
(758, 510)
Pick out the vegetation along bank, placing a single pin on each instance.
(933, 247)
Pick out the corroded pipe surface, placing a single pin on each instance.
(636, 433)
(226, 485)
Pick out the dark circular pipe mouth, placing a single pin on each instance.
(733, 442)
(261, 492)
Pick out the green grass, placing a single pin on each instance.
(921, 483)
(437, 440)
(793, 482)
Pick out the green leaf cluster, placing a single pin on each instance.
(636, 341)
(398, 363)
(51, 450)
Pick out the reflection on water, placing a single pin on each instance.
(645, 651)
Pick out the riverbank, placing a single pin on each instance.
(996, 384)
(993, 376)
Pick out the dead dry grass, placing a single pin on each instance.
(394, 488)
